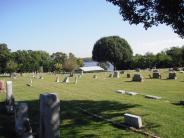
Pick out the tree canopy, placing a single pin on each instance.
(153, 12)
(113, 49)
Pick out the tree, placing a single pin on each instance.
(59, 57)
(58, 67)
(153, 12)
(11, 66)
(113, 49)
(176, 54)
(4, 57)
(70, 63)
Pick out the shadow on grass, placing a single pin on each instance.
(180, 103)
(74, 123)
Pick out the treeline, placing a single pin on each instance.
(172, 57)
(36, 61)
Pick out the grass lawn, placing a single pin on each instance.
(163, 117)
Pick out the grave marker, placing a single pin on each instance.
(133, 120)
(49, 116)
(137, 77)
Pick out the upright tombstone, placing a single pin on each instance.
(116, 74)
(10, 102)
(57, 79)
(2, 86)
(49, 116)
(95, 76)
(30, 83)
(128, 75)
(133, 120)
(138, 70)
(172, 75)
(110, 75)
(66, 80)
(82, 72)
(22, 124)
(76, 80)
(156, 74)
(137, 77)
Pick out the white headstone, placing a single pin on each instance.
(152, 97)
(120, 91)
(9, 91)
(131, 93)
(66, 80)
(76, 79)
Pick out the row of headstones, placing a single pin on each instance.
(49, 114)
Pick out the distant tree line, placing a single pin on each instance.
(36, 61)
(118, 52)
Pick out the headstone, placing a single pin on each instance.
(131, 93)
(22, 124)
(171, 69)
(2, 85)
(156, 74)
(41, 77)
(30, 83)
(110, 75)
(57, 79)
(133, 120)
(121, 91)
(79, 76)
(66, 80)
(82, 72)
(95, 76)
(10, 101)
(172, 75)
(9, 91)
(116, 74)
(76, 79)
(49, 116)
(138, 70)
(137, 77)
(153, 97)
(128, 75)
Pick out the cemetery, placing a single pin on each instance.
(92, 69)
(133, 110)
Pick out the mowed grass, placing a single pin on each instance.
(164, 118)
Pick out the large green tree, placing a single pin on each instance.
(153, 12)
(113, 49)
(4, 57)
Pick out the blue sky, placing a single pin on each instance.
(74, 26)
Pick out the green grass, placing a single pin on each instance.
(163, 117)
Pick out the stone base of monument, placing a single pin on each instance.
(153, 97)
(133, 120)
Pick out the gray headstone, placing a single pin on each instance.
(22, 124)
(137, 77)
(133, 120)
(116, 74)
(49, 116)
(66, 80)
(172, 75)
(95, 76)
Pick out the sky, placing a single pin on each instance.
(74, 26)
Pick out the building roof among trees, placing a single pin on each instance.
(92, 68)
